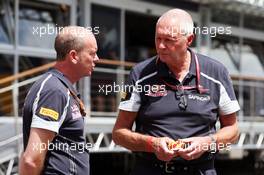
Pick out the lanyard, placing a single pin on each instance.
(197, 83)
(81, 105)
(73, 94)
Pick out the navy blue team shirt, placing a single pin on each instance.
(49, 105)
(158, 112)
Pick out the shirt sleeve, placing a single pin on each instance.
(228, 103)
(50, 109)
(130, 97)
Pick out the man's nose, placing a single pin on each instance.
(96, 58)
(161, 45)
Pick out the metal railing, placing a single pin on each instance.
(98, 134)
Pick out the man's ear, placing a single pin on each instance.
(73, 56)
(190, 39)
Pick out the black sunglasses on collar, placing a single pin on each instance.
(183, 103)
(180, 88)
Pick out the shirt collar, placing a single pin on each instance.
(163, 69)
(64, 79)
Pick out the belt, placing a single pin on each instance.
(174, 167)
(179, 165)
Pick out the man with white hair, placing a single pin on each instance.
(53, 114)
(175, 118)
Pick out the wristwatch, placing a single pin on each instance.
(213, 144)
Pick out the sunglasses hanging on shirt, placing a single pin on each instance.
(180, 88)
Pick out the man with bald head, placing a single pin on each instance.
(187, 93)
(53, 114)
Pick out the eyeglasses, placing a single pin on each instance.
(80, 102)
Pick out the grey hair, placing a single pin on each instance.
(186, 27)
(183, 18)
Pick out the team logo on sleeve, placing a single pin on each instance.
(125, 96)
(49, 113)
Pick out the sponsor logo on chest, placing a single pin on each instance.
(157, 91)
(199, 98)
(75, 111)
